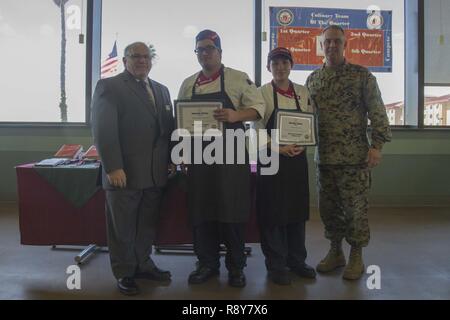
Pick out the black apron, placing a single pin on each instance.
(283, 198)
(219, 192)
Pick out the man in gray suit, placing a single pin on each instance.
(132, 121)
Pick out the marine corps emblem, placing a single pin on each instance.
(374, 21)
(285, 17)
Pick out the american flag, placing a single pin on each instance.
(109, 66)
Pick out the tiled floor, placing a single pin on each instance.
(410, 245)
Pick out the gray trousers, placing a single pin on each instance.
(132, 217)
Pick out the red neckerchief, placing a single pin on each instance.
(289, 93)
(202, 79)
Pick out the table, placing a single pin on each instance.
(49, 217)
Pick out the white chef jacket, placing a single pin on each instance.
(242, 92)
(283, 103)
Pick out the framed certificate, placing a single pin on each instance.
(197, 117)
(295, 127)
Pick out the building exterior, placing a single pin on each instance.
(436, 111)
(395, 113)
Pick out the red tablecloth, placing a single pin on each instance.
(47, 218)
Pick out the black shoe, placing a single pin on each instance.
(127, 286)
(304, 271)
(202, 274)
(280, 277)
(155, 274)
(236, 279)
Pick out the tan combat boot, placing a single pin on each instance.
(334, 259)
(355, 266)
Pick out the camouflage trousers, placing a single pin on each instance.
(343, 203)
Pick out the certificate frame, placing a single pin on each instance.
(184, 110)
(305, 137)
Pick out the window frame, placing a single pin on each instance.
(422, 85)
(416, 58)
(93, 60)
(91, 17)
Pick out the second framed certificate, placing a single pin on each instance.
(295, 127)
(197, 117)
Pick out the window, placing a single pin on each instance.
(437, 105)
(31, 37)
(171, 26)
(437, 69)
(391, 82)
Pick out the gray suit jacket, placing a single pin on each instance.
(127, 132)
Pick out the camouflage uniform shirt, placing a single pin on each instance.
(344, 99)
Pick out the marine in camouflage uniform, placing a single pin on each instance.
(345, 96)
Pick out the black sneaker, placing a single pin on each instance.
(202, 274)
(304, 271)
(127, 286)
(236, 278)
(280, 277)
(155, 274)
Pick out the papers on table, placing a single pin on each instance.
(52, 162)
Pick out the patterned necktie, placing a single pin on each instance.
(147, 89)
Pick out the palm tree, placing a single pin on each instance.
(152, 49)
(62, 104)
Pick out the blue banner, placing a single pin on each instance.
(368, 33)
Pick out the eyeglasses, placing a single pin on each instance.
(139, 56)
(336, 42)
(207, 49)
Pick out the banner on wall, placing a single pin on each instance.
(369, 35)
